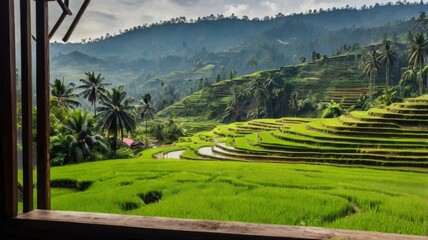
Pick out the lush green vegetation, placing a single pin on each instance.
(393, 136)
(374, 199)
(361, 164)
(179, 49)
(293, 194)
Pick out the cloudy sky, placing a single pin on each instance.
(108, 16)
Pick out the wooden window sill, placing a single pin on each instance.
(75, 225)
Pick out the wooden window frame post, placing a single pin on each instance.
(8, 147)
(43, 121)
(27, 105)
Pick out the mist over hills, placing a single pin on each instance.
(180, 54)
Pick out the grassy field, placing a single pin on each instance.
(292, 194)
(382, 184)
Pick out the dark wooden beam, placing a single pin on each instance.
(27, 104)
(73, 225)
(43, 122)
(61, 18)
(64, 7)
(76, 20)
(8, 149)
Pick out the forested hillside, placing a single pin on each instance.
(188, 55)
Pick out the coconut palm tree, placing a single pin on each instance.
(147, 110)
(115, 115)
(93, 86)
(235, 110)
(425, 72)
(293, 103)
(269, 85)
(371, 67)
(82, 141)
(409, 76)
(387, 58)
(256, 89)
(65, 98)
(417, 57)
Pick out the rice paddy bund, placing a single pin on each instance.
(367, 172)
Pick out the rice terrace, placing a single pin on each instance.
(376, 183)
(313, 117)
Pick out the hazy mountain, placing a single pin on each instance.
(182, 53)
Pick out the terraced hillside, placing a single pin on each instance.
(336, 79)
(393, 136)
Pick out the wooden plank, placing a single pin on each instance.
(27, 105)
(73, 225)
(43, 124)
(8, 149)
(76, 20)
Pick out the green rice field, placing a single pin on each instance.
(292, 194)
(362, 171)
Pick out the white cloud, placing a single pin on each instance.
(237, 9)
(271, 6)
(108, 16)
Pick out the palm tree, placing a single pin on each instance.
(115, 114)
(371, 67)
(387, 58)
(409, 75)
(64, 94)
(293, 103)
(269, 85)
(82, 141)
(256, 88)
(235, 110)
(425, 72)
(93, 86)
(147, 110)
(417, 56)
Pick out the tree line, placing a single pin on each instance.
(412, 79)
(233, 16)
(78, 135)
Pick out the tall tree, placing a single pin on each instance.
(270, 85)
(293, 103)
(371, 67)
(232, 74)
(235, 110)
(387, 58)
(115, 114)
(65, 98)
(82, 139)
(218, 78)
(422, 22)
(409, 76)
(93, 86)
(257, 89)
(147, 110)
(409, 39)
(417, 57)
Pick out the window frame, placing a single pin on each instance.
(70, 225)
